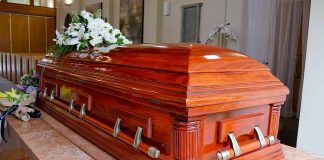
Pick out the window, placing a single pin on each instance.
(43, 3)
(37, 2)
(27, 2)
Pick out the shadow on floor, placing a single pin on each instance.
(288, 130)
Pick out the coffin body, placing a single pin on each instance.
(179, 101)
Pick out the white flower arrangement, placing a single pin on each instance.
(88, 32)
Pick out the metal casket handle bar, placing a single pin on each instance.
(116, 132)
(137, 141)
(237, 150)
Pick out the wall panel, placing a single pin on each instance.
(27, 10)
(5, 32)
(20, 35)
(37, 34)
(50, 31)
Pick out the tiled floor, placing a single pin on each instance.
(5, 84)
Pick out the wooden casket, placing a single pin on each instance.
(177, 101)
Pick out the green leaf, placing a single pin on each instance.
(75, 17)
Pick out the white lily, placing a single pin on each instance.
(86, 31)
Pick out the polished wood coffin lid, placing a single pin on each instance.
(180, 77)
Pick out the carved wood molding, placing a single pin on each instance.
(274, 119)
(187, 140)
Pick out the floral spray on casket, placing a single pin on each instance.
(88, 34)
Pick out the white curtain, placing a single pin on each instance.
(260, 22)
(272, 38)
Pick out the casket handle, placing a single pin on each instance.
(71, 106)
(52, 95)
(116, 127)
(234, 145)
(45, 92)
(138, 137)
(82, 110)
(237, 150)
(137, 142)
(260, 137)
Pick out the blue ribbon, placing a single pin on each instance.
(3, 120)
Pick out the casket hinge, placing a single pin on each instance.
(155, 101)
(80, 81)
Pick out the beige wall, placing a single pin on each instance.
(236, 11)
(110, 10)
(106, 4)
(167, 29)
(62, 10)
(212, 12)
(311, 123)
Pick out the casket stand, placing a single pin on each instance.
(177, 101)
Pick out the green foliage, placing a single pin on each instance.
(75, 17)
(14, 96)
(58, 50)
